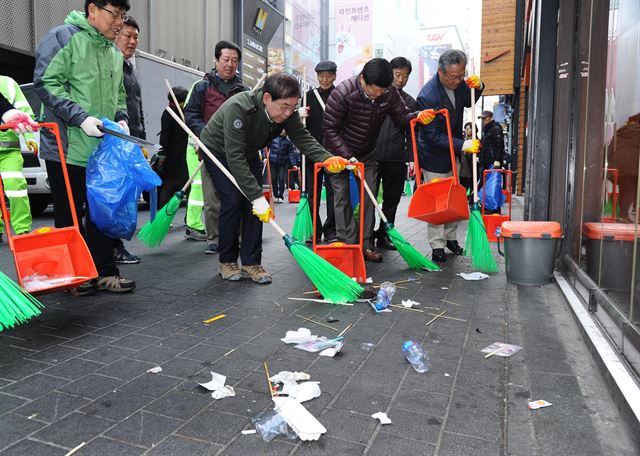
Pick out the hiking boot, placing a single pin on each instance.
(372, 255)
(257, 273)
(114, 284)
(454, 247)
(385, 243)
(231, 271)
(122, 256)
(439, 256)
(211, 249)
(194, 234)
(84, 289)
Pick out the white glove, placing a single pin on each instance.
(124, 126)
(90, 127)
(24, 121)
(261, 208)
(303, 112)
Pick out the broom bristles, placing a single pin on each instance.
(16, 305)
(477, 244)
(153, 232)
(408, 189)
(303, 223)
(413, 258)
(333, 284)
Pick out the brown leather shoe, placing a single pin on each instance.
(372, 255)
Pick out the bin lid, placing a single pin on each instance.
(610, 231)
(530, 229)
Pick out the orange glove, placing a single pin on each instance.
(336, 164)
(426, 116)
(471, 146)
(473, 82)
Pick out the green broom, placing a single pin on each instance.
(477, 244)
(413, 258)
(303, 223)
(16, 305)
(154, 231)
(408, 188)
(333, 284)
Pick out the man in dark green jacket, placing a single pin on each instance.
(242, 126)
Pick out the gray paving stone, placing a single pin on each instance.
(126, 369)
(89, 342)
(73, 369)
(418, 401)
(180, 341)
(102, 447)
(144, 428)
(153, 385)
(76, 427)
(92, 386)
(213, 426)
(135, 341)
(22, 368)
(459, 445)
(179, 404)
(56, 354)
(387, 444)
(37, 342)
(31, 448)
(329, 445)
(8, 403)
(34, 386)
(176, 445)
(116, 330)
(482, 424)
(253, 444)
(156, 354)
(183, 368)
(116, 405)
(51, 407)
(377, 382)
(107, 354)
(361, 400)
(414, 425)
(161, 329)
(245, 403)
(208, 353)
(348, 425)
(15, 427)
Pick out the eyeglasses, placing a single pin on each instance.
(286, 107)
(121, 16)
(453, 77)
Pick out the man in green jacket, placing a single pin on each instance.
(79, 78)
(244, 124)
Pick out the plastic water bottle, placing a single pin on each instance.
(418, 358)
(385, 295)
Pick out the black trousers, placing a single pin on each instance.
(236, 217)
(278, 176)
(100, 245)
(329, 225)
(392, 175)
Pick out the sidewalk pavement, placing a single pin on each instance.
(78, 373)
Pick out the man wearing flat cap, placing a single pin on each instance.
(314, 112)
(492, 152)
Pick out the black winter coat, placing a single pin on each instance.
(492, 144)
(394, 144)
(352, 121)
(316, 112)
(134, 101)
(279, 151)
(173, 140)
(433, 142)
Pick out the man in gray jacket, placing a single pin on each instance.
(393, 151)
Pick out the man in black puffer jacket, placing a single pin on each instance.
(393, 150)
(355, 111)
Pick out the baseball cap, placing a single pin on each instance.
(484, 114)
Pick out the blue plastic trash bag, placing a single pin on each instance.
(117, 173)
(354, 191)
(493, 186)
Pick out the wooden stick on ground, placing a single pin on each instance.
(266, 370)
(436, 317)
(75, 449)
(451, 302)
(405, 308)
(310, 319)
(448, 318)
(496, 351)
(345, 330)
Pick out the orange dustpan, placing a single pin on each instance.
(348, 258)
(50, 259)
(439, 201)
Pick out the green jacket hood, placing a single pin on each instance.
(79, 19)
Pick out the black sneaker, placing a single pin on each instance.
(195, 234)
(1, 239)
(439, 256)
(454, 247)
(122, 256)
(211, 249)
